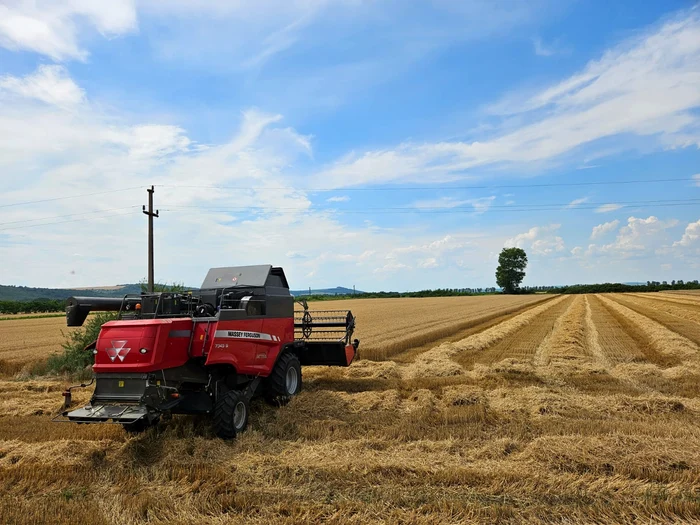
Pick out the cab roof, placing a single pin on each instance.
(257, 275)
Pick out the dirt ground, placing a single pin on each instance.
(558, 410)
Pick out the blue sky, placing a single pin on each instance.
(386, 144)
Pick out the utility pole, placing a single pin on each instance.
(150, 214)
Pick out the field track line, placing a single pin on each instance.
(542, 355)
(695, 297)
(468, 329)
(662, 339)
(667, 299)
(448, 358)
(683, 309)
(517, 337)
(593, 338)
(621, 340)
(688, 328)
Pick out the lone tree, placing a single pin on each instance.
(511, 269)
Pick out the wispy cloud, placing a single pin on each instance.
(339, 198)
(480, 204)
(606, 208)
(546, 50)
(697, 179)
(52, 28)
(577, 202)
(646, 88)
(48, 84)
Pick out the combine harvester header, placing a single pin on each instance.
(206, 351)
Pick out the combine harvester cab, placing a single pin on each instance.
(206, 351)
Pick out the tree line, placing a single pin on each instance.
(650, 286)
(35, 306)
(439, 292)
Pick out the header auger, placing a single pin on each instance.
(206, 351)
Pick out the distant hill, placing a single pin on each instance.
(338, 290)
(26, 293)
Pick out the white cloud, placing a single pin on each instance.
(539, 240)
(59, 150)
(697, 179)
(646, 88)
(480, 204)
(577, 202)
(602, 229)
(430, 262)
(339, 198)
(152, 141)
(443, 202)
(437, 247)
(638, 237)
(391, 267)
(691, 236)
(47, 124)
(607, 208)
(52, 28)
(49, 84)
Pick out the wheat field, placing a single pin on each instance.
(25, 342)
(531, 409)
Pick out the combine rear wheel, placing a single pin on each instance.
(285, 379)
(231, 414)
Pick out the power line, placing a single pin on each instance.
(393, 188)
(68, 197)
(469, 208)
(61, 222)
(418, 211)
(69, 215)
(423, 188)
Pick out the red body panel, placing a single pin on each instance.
(251, 346)
(166, 342)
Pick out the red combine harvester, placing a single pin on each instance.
(207, 351)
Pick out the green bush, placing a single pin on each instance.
(75, 358)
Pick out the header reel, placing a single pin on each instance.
(323, 325)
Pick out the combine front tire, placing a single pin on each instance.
(231, 414)
(285, 379)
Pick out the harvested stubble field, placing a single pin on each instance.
(26, 342)
(557, 409)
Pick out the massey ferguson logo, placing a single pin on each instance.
(118, 350)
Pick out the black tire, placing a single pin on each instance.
(231, 414)
(285, 379)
